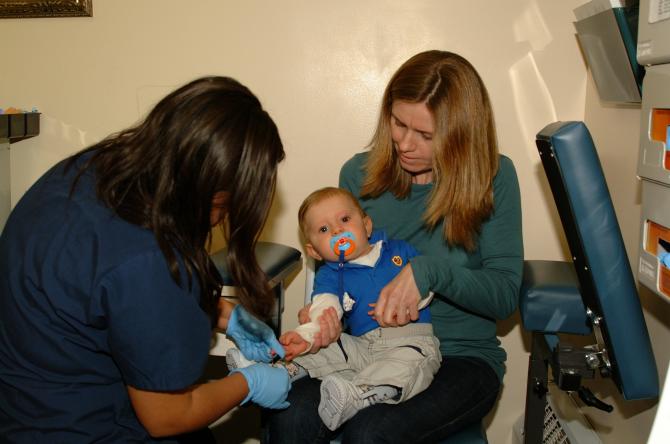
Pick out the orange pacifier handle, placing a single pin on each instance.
(343, 242)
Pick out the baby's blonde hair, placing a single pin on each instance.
(318, 196)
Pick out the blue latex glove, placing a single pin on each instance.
(252, 336)
(664, 258)
(268, 385)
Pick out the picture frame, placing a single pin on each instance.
(45, 8)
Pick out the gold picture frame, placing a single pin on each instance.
(45, 8)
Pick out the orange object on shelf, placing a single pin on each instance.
(664, 280)
(660, 120)
(659, 131)
(655, 236)
(654, 233)
(12, 110)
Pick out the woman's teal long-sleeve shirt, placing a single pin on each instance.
(472, 289)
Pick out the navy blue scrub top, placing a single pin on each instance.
(87, 306)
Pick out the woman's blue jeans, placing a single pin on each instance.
(462, 393)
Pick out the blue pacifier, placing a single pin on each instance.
(343, 243)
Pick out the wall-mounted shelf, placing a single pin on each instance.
(13, 128)
(655, 119)
(20, 126)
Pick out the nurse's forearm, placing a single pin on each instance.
(225, 308)
(173, 413)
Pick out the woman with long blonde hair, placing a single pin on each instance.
(433, 177)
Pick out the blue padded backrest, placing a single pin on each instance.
(605, 278)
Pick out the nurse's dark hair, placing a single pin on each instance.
(209, 136)
(465, 146)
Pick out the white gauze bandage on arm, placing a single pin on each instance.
(320, 303)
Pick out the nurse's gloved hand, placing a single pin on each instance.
(268, 385)
(253, 337)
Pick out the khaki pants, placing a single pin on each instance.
(406, 357)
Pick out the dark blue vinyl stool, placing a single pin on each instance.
(594, 295)
(276, 260)
(473, 434)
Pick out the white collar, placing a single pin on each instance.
(370, 259)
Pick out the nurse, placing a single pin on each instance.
(107, 294)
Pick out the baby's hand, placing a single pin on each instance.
(294, 345)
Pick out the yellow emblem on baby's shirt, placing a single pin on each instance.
(397, 260)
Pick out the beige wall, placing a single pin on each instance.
(319, 68)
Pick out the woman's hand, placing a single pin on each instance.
(399, 301)
(330, 327)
